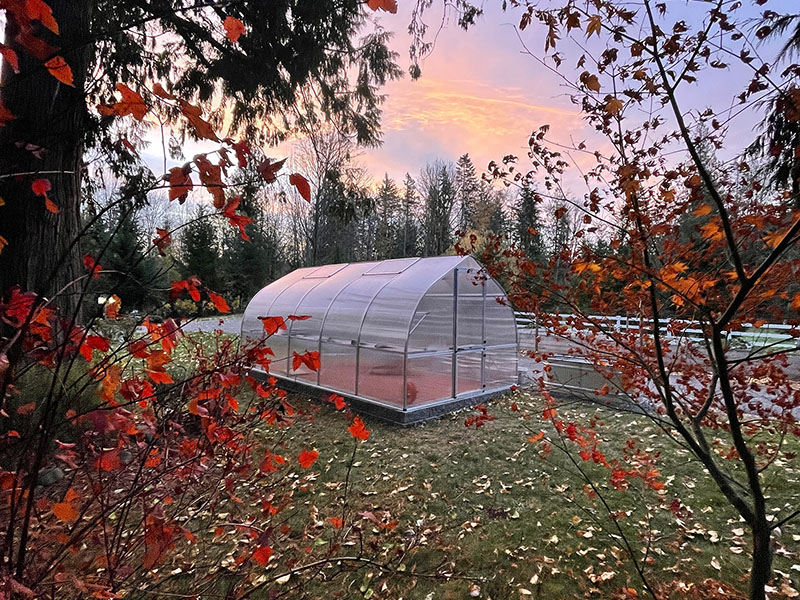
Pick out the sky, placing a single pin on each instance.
(481, 93)
(478, 94)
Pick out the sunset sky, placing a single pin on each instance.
(481, 93)
(478, 93)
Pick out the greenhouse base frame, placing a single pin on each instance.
(386, 412)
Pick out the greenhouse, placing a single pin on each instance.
(404, 339)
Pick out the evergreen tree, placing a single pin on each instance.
(387, 203)
(407, 239)
(529, 225)
(439, 191)
(120, 246)
(200, 251)
(498, 223)
(468, 191)
(342, 206)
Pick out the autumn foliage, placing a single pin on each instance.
(688, 249)
(143, 447)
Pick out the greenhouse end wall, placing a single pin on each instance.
(405, 339)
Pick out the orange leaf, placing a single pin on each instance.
(242, 151)
(234, 29)
(40, 11)
(218, 302)
(51, 206)
(614, 106)
(537, 437)
(10, 57)
(389, 6)
(65, 511)
(594, 25)
(301, 183)
(202, 128)
(702, 210)
(93, 342)
(307, 458)
(272, 324)
(262, 554)
(59, 69)
(26, 409)
(712, 231)
(773, 239)
(310, 359)
(40, 187)
(93, 267)
(180, 183)
(162, 241)
(590, 81)
(358, 430)
(268, 170)
(795, 305)
(112, 307)
(109, 460)
(338, 401)
(335, 521)
(211, 178)
(160, 377)
(159, 91)
(131, 104)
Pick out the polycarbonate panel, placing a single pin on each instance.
(338, 367)
(316, 306)
(325, 271)
(343, 321)
(286, 304)
(429, 378)
(468, 375)
(470, 307)
(393, 266)
(500, 367)
(260, 305)
(279, 346)
(432, 325)
(500, 326)
(386, 324)
(380, 376)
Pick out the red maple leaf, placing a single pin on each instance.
(307, 458)
(358, 430)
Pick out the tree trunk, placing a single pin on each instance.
(41, 254)
(761, 569)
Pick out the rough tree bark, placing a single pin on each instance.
(41, 254)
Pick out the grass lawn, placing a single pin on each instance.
(490, 518)
(461, 512)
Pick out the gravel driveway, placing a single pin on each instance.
(229, 324)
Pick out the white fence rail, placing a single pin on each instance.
(775, 336)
